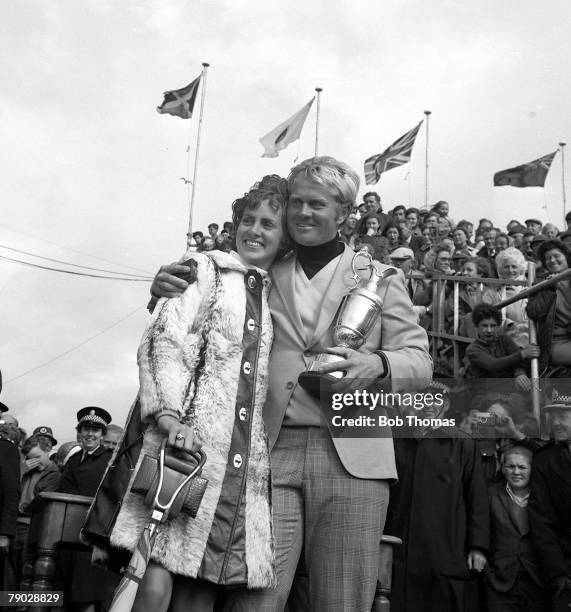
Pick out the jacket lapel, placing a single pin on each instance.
(340, 284)
(507, 504)
(282, 296)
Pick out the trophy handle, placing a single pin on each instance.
(362, 253)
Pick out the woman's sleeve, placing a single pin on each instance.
(170, 349)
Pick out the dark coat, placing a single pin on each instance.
(541, 308)
(9, 487)
(48, 481)
(550, 509)
(440, 510)
(511, 547)
(83, 478)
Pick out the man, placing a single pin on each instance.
(329, 495)
(533, 226)
(213, 230)
(372, 200)
(550, 503)
(9, 497)
(112, 436)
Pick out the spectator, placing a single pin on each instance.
(372, 201)
(484, 225)
(512, 266)
(208, 244)
(46, 434)
(213, 230)
(550, 504)
(513, 577)
(533, 226)
(393, 235)
(369, 235)
(460, 240)
(568, 221)
(198, 238)
(42, 475)
(525, 247)
(9, 496)
(565, 238)
(398, 214)
(412, 218)
(502, 242)
(516, 233)
(112, 436)
(551, 308)
(494, 355)
(550, 231)
(446, 224)
(439, 508)
(348, 230)
(431, 221)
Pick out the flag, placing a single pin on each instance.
(396, 155)
(285, 133)
(180, 102)
(532, 174)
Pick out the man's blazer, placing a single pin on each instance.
(396, 333)
(509, 545)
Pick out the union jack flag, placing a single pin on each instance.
(396, 155)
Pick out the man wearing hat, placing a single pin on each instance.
(550, 503)
(90, 585)
(83, 472)
(533, 226)
(45, 433)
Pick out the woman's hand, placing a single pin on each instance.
(179, 435)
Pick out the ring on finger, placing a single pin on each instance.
(179, 436)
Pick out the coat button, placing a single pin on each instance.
(247, 367)
(251, 325)
(243, 414)
(252, 282)
(290, 385)
(237, 461)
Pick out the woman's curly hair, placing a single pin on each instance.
(273, 190)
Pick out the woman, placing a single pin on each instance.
(394, 237)
(470, 294)
(551, 308)
(511, 265)
(412, 219)
(203, 373)
(513, 576)
(369, 235)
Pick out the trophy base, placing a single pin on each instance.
(316, 384)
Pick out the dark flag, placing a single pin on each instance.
(180, 102)
(532, 174)
(396, 155)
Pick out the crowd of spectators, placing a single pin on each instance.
(470, 539)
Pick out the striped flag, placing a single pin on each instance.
(396, 155)
(180, 102)
(532, 174)
(285, 133)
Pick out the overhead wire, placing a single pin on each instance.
(12, 229)
(73, 348)
(139, 279)
(68, 263)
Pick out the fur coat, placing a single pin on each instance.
(205, 355)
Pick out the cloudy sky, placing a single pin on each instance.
(91, 173)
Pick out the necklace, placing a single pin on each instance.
(519, 501)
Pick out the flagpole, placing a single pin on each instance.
(427, 113)
(195, 173)
(561, 148)
(318, 90)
